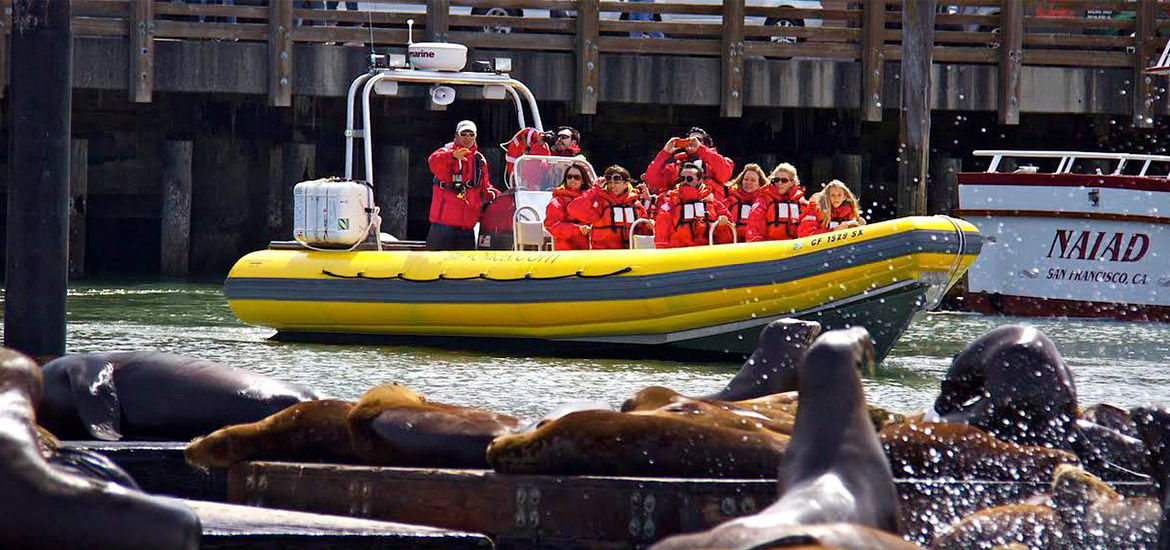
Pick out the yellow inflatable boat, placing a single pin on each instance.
(714, 298)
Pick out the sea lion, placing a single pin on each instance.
(1112, 417)
(1094, 516)
(1012, 383)
(313, 431)
(566, 408)
(834, 469)
(613, 443)
(958, 451)
(835, 536)
(155, 395)
(772, 366)
(1110, 453)
(392, 425)
(661, 401)
(1037, 526)
(1153, 425)
(47, 507)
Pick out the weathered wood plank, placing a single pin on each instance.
(176, 208)
(78, 186)
(671, 7)
(588, 58)
(873, 62)
(1143, 95)
(731, 97)
(680, 46)
(280, 54)
(141, 78)
(438, 20)
(914, 119)
(1011, 61)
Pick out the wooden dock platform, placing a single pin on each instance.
(585, 512)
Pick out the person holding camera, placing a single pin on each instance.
(565, 142)
(698, 149)
(461, 187)
(685, 213)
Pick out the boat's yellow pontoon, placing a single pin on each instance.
(712, 298)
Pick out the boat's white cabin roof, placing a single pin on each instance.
(1077, 162)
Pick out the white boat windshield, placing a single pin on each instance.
(544, 173)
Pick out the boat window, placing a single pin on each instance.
(1029, 165)
(1157, 169)
(544, 173)
(1094, 166)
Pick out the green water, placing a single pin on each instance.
(1121, 363)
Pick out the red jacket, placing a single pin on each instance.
(684, 217)
(452, 206)
(611, 216)
(565, 228)
(739, 203)
(775, 216)
(812, 224)
(661, 175)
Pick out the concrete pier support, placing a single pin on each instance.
(78, 189)
(392, 190)
(40, 101)
(914, 131)
(176, 208)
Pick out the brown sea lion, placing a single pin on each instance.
(830, 536)
(834, 469)
(663, 401)
(1094, 516)
(771, 368)
(1112, 417)
(309, 431)
(614, 443)
(155, 395)
(47, 507)
(393, 425)
(1036, 526)
(1012, 383)
(961, 452)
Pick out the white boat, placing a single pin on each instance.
(1070, 234)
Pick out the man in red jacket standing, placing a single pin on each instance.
(663, 171)
(461, 187)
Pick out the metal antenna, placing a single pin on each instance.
(373, 53)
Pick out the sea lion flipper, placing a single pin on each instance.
(96, 398)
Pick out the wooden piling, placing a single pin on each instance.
(38, 177)
(914, 120)
(78, 186)
(588, 58)
(873, 61)
(393, 188)
(1143, 94)
(280, 52)
(943, 191)
(438, 20)
(731, 98)
(1010, 60)
(848, 168)
(141, 77)
(176, 208)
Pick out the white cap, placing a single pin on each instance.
(465, 125)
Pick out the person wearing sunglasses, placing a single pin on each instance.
(775, 215)
(741, 195)
(611, 207)
(698, 149)
(569, 232)
(461, 186)
(566, 143)
(832, 208)
(685, 213)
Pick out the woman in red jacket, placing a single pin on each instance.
(611, 207)
(834, 207)
(685, 213)
(776, 213)
(569, 232)
(741, 195)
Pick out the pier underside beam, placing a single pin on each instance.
(176, 208)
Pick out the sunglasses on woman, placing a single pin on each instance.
(573, 176)
(687, 179)
(467, 134)
(615, 177)
(779, 180)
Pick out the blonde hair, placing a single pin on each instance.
(821, 198)
(753, 167)
(785, 167)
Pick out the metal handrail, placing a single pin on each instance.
(1068, 158)
(515, 226)
(635, 225)
(711, 232)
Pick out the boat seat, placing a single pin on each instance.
(531, 235)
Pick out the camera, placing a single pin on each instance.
(549, 137)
